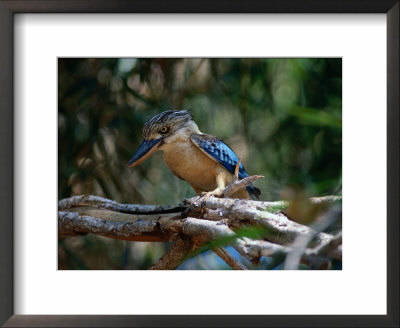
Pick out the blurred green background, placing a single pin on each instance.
(282, 117)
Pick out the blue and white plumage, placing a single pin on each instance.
(204, 161)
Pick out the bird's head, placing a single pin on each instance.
(163, 129)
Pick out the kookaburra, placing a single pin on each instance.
(204, 161)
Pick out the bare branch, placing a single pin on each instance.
(325, 199)
(253, 249)
(280, 228)
(301, 242)
(333, 249)
(210, 222)
(229, 259)
(116, 225)
(176, 254)
(198, 227)
(100, 202)
(236, 185)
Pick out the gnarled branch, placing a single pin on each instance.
(200, 222)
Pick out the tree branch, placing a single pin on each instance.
(202, 222)
(176, 254)
(301, 242)
(236, 185)
(267, 214)
(229, 259)
(84, 219)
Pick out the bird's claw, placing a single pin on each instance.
(215, 193)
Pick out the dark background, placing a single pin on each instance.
(281, 116)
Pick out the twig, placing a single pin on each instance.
(228, 258)
(333, 249)
(236, 185)
(301, 242)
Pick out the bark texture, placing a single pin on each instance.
(255, 229)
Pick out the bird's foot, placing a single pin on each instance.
(219, 192)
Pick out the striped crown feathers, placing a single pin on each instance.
(171, 119)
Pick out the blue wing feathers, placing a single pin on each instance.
(220, 151)
(224, 155)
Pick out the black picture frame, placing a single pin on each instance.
(7, 197)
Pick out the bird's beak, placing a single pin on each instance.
(144, 151)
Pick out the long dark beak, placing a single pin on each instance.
(144, 151)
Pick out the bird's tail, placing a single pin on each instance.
(254, 192)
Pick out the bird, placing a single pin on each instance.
(206, 162)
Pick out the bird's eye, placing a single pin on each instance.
(164, 129)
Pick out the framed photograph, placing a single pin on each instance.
(198, 156)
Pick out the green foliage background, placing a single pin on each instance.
(283, 118)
